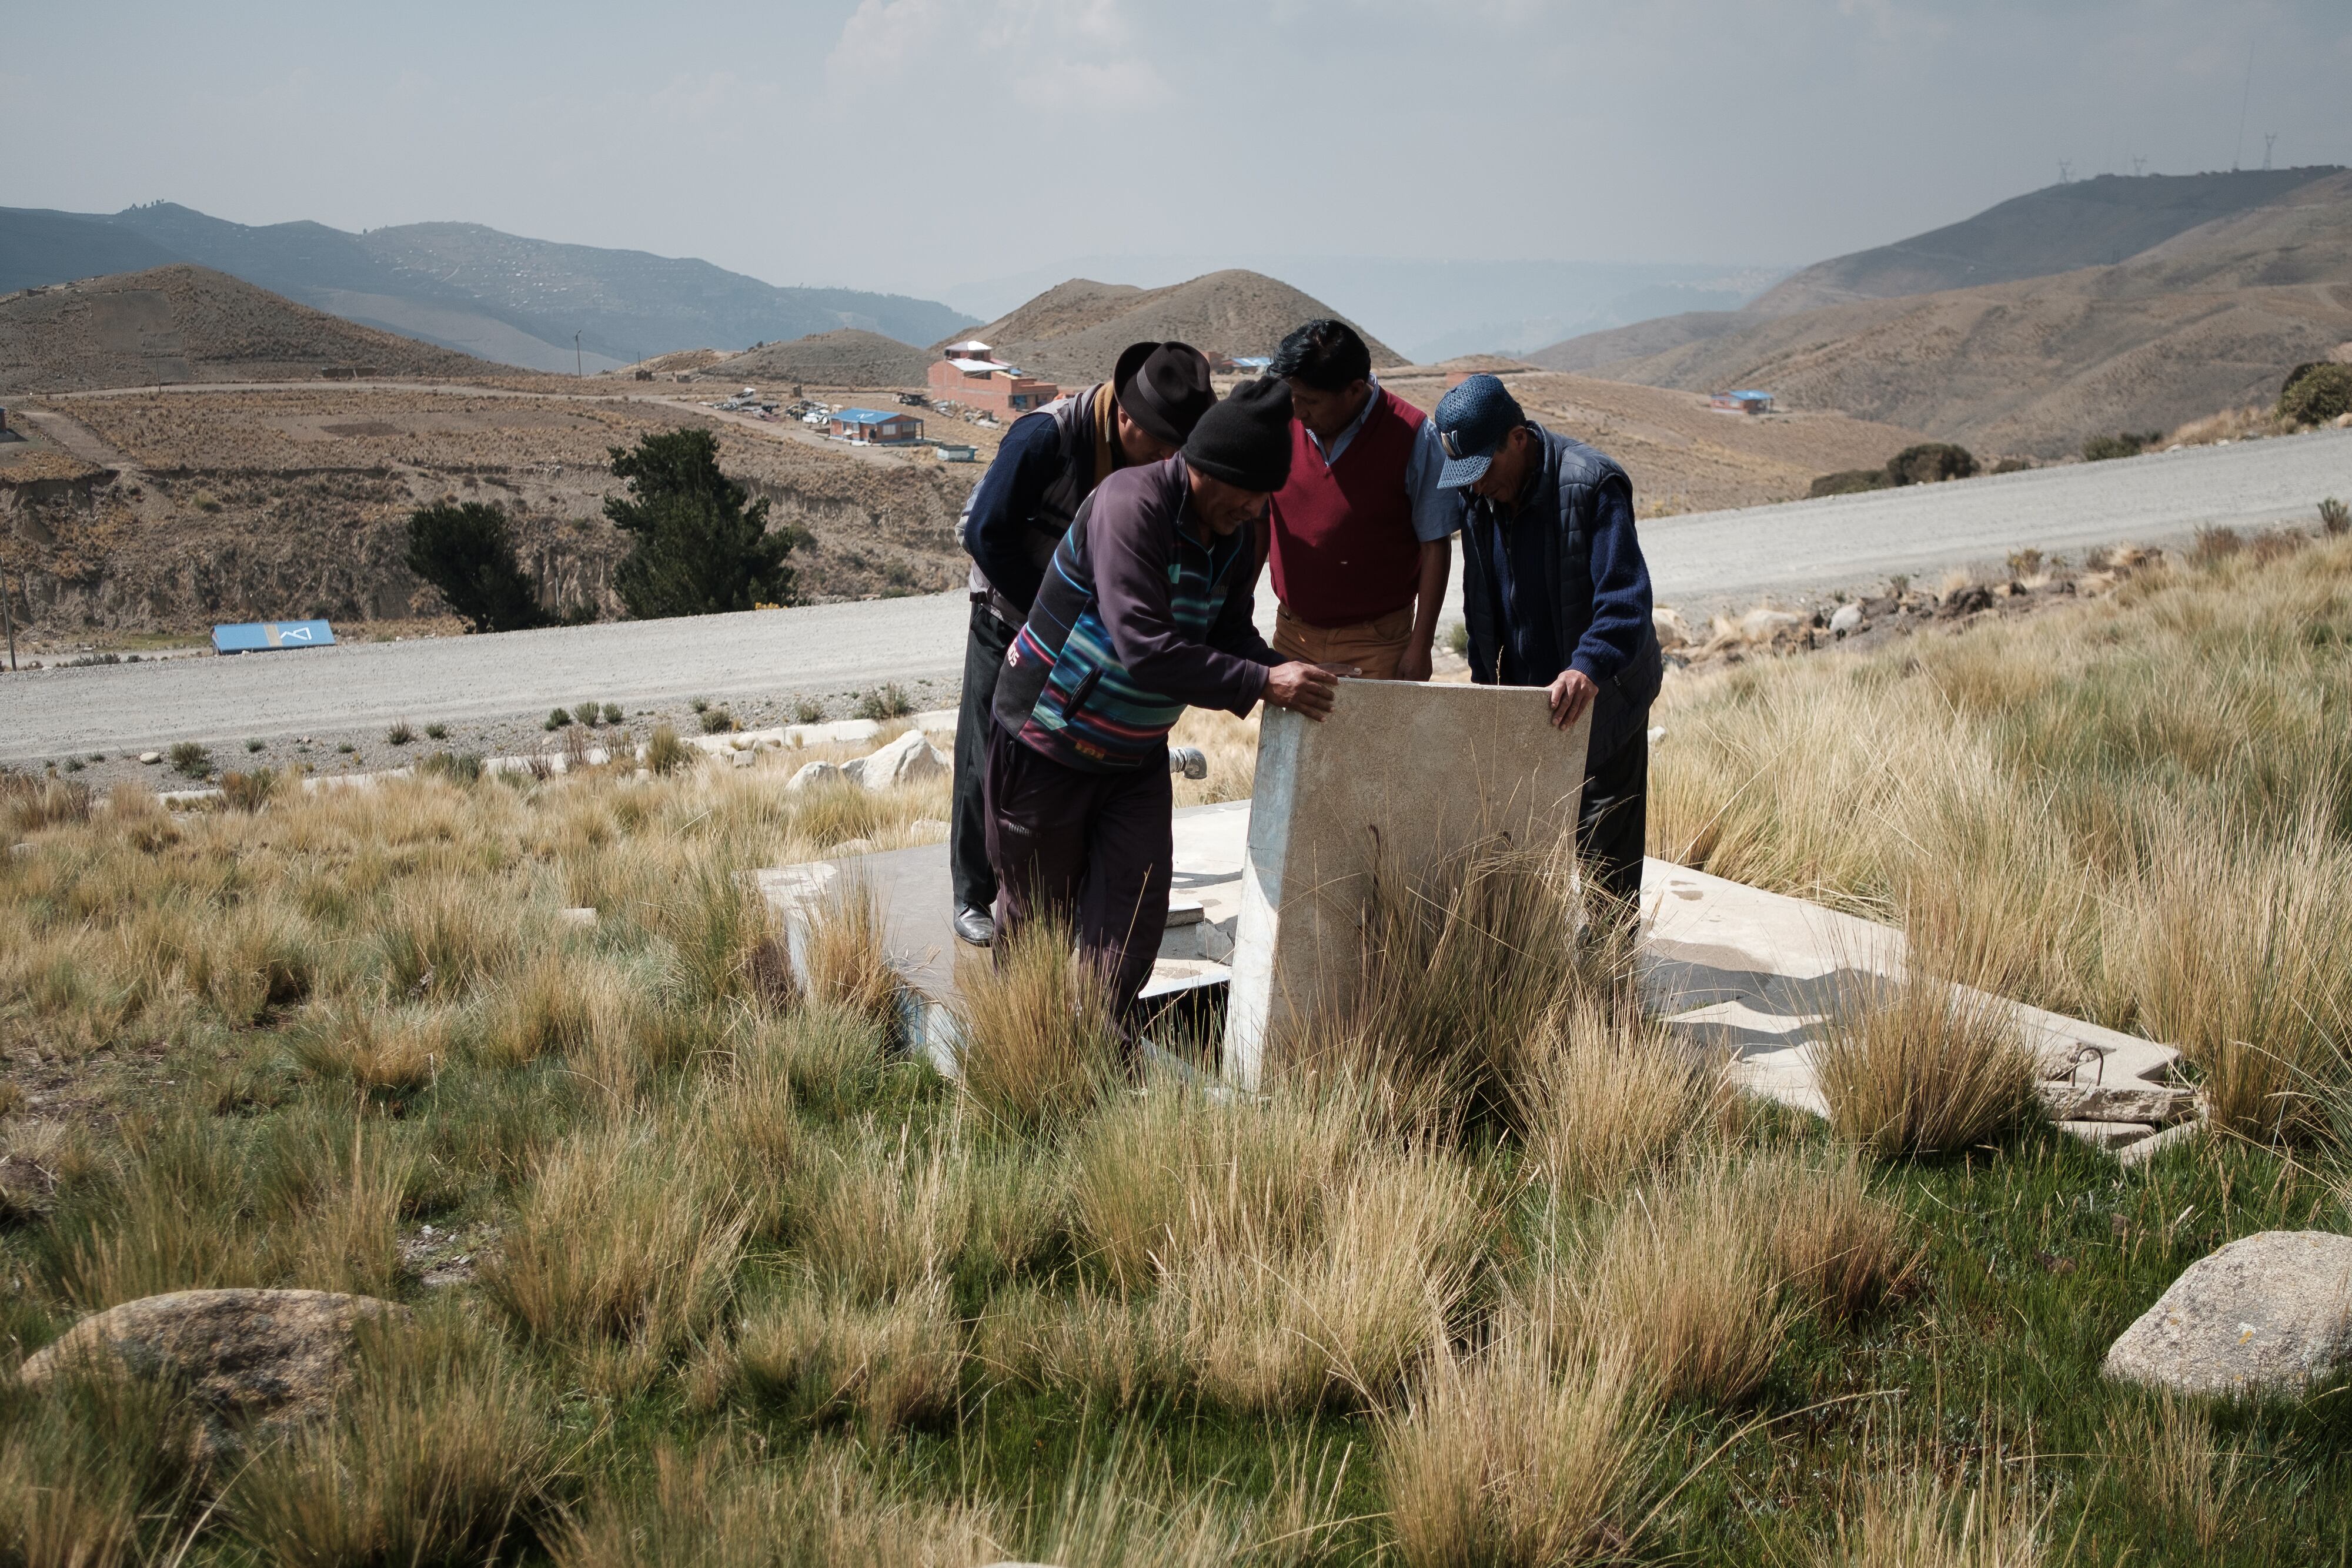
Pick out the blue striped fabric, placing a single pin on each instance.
(1090, 713)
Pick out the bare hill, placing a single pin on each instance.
(2212, 317)
(847, 358)
(180, 323)
(2060, 228)
(1074, 330)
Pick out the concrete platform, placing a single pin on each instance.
(1733, 969)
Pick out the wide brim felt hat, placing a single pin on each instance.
(1164, 387)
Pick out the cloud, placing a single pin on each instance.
(1044, 56)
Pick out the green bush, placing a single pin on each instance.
(613, 714)
(400, 734)
(2129, 443)
(701, 546)
(885, 701)
(468, 553)
(1851, 482)
(2317, 394)
(587, 713)
(191, 759)
(2334, 517)
(716, 721)
(458, 768)
(557, 718)
(1930, 462)
(665, 753)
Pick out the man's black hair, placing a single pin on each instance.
(1327, 355)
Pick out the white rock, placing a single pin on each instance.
(1760, 624)
(1672, 632)
(2156, 1103)
(743, 758)
(838, 732)
(909, 759)
(2269, 1312)
(816, 776)
(936, 721)
(1847, 619)
(1657, 733)
(151, 757)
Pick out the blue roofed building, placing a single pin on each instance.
(872, 426)
(1741, 402)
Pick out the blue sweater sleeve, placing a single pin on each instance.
(997, 532)
(1620, 587)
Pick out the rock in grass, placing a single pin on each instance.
(909, 759)
(273, 1356)
(816, 776)
(2269, 1314)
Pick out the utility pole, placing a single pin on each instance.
(577, 368)
(9, 616)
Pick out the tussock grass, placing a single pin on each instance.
(846, 959)
(1604, 1099)
(886, 1365)
(439, 1454)
(2169, 1461)
(1919, 1066)
(1501, 1458)
(1039, 1043)
(2078, 802)
(1925, 1519)
(620, 1245)
(97, 1471)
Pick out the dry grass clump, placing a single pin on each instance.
(439, 1454)
(95, 1470)
(847, 958)
(1500, 1459)
(619, 1246)
(1123, 1511)
(1678, 1276)
(888, 1365)
(1924, 1520)
(1038, 1043)
(1602, 1098)
(2167, 1458)
(720, 1509)
(378, 1050)
(1095, 1344)
(1829, 1237)
(30, 803)
(1463, 961)
(1920, 1066)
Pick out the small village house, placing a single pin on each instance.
(871, 426)
(970, 373)
(1741, 402)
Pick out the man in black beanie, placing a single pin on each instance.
(1144, 610)
(1049, 462)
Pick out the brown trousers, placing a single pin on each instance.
(1096, 850)
(1374, 647)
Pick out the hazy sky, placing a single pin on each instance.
(919, 144)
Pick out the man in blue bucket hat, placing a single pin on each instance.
(1557, 595)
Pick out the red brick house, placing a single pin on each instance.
(969, 374)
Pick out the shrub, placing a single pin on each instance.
(1930, 462)
(1921, 1066)
(808, 710)
(699, 704)
(248, 791)
(889, 1365)
(250, 745)
(613, 714)
(191, 759)
(1457, 637)
(665, 753)
(1849, 482)
(2334, 516)
(2129, 444)
(1040, 1045)
(885, 701)
(457, 767)
(400, 734)
(467, 552)
(557, 718)
(437, 732)
(700, 546)
(717, 721)
(2317, 394)
(588, 714)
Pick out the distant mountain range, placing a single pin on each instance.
(2085, 308)
(461, 286)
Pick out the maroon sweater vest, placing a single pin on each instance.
(1344, 548)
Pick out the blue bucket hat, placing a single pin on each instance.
(1472, 420)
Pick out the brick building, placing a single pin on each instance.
(970, 373)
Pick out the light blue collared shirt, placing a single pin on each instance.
(1435, 513)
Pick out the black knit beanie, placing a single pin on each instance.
(1245, 439)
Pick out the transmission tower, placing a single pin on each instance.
(2139, 165)
(2270, 140)
(2065, 170)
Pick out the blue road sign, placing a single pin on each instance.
(260, 636)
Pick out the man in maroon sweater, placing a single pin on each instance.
(1361, 533)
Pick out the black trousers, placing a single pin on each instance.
(1612, 823)
(1096, 850)
(984, 657)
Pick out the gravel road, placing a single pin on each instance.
(499, 685)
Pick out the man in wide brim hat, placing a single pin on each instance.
(1048, 464)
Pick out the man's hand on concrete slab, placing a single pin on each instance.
(1303, 688)
(1416, 664)
(1571, 694)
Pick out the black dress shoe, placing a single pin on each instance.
(976, 926)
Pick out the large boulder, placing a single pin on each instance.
(909, 759)
(815, 776)
(246, 1356)
(2269, 1314)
